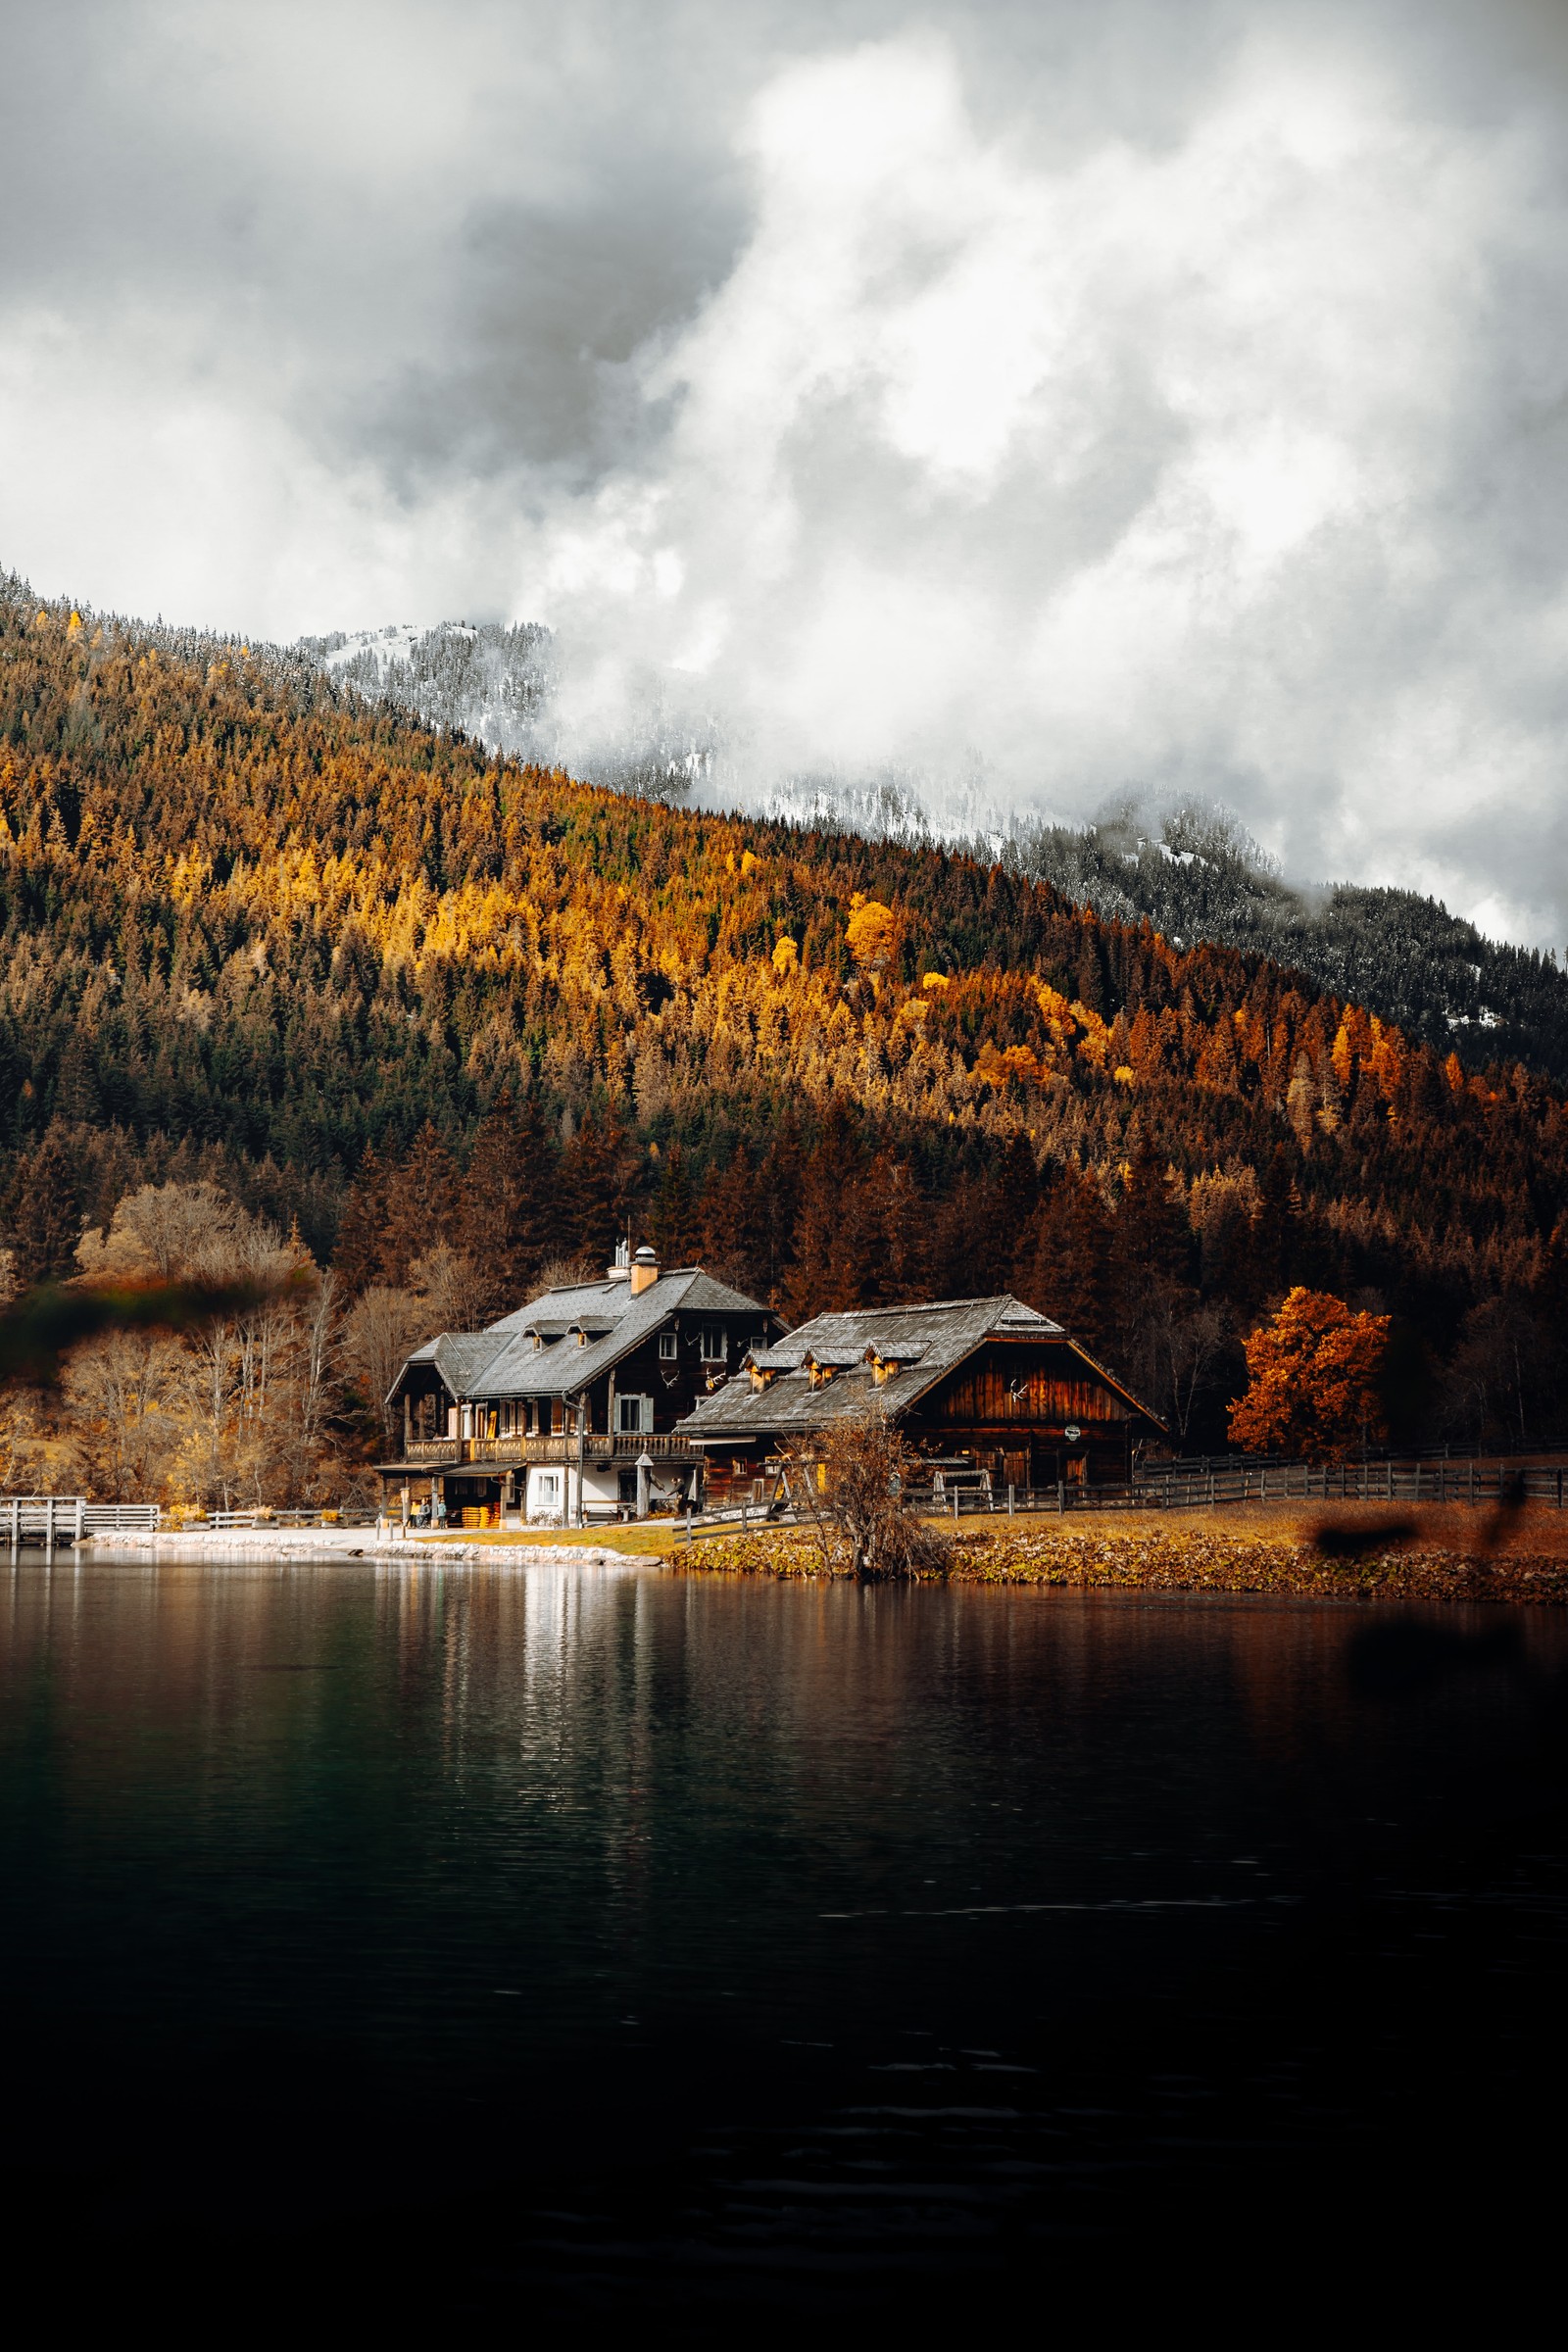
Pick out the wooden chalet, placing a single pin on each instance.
(987, 1390)
(567, 1409)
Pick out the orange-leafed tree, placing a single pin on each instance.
(1312, 1385)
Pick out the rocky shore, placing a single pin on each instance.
(1444, 1556)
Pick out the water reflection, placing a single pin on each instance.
(573, 1868)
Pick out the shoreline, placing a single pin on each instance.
(1398, 1557)
(1436, 1554)
(322, 1544)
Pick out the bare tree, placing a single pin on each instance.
(565, 1273)
(382, 1328)
(450, 1286)
(853, 1484)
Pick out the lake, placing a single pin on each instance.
(582, 1941)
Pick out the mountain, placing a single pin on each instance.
(1187, 868)
(381, 980)
(1193, 872)
(499, 686)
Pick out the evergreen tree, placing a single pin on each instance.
(600, 1180)
(45, 1212)
(423, 1205)
(675, 1217)
(509, 1218)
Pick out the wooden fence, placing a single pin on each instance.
(1206, 1486)
(51, 1519)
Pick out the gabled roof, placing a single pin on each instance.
(925, 1343)
(505, 1361)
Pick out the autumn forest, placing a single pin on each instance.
(289, 980)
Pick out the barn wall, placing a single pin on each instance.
(979, 1396)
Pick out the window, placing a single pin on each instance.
(667, 1346)
(712, 1343)
(634, 1415)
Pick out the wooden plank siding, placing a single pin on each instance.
(980, 1396)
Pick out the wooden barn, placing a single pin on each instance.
(987, 1390)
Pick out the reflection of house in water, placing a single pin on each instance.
(985, 1388)
(547, 1414)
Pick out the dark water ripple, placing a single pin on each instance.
(596, 1942)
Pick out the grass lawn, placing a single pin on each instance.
(649, 1540)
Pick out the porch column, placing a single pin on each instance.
(582, 1453)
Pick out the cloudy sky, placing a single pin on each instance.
(1040, 399)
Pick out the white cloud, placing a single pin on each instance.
(1155, 467)
(1054, 402)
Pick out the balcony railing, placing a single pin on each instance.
(514, 1451)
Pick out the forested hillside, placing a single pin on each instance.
(1195, 875)
(368, 979)
(1187, 868)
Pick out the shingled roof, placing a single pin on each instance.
(925, 1343)
(505, 1361)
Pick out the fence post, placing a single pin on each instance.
(954, 1506)
(1560, 1494)
(1061, 1496)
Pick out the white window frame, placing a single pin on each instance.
(714, 1343)
(668, 1346)
(642, 1421)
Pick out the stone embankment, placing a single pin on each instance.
(1359, 1552)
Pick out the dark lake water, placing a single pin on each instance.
(564, 1942)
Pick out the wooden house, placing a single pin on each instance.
(547, 1414)
(988, 1390)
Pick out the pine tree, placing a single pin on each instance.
(45, 1212)
(509, 1218)
(599, 1178)
(675, 1218)
(423, 1205)
(362, 1227)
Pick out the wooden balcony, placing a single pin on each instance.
(512, 1453)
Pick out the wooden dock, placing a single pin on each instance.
(54, 1519)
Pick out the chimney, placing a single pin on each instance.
(644, 1270)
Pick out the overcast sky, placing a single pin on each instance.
(1040, 399)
